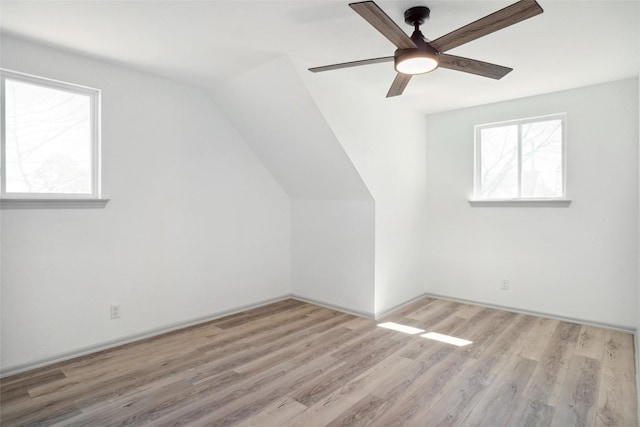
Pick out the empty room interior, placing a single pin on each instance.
(267, 213)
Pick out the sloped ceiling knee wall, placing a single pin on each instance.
(353, 165)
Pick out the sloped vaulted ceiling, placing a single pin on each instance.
(279, 119)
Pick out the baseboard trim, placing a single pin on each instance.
(389, 311)
(16, 369)
(105, 345)
(534, 313)
(367, 315)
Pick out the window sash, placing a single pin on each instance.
(94, 116)
(478, 194)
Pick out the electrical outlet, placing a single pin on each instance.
(505, 284)
(115, 311)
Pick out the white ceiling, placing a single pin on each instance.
(573, 43)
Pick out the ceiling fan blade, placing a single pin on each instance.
(381, 21)
(351, 64)
(503, 18)
(473, 66)
(398, 85)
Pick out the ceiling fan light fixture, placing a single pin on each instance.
(418, 55)
(416, 62)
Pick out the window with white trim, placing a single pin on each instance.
(521, 159)
(50, 139)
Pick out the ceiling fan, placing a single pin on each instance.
(417, 55)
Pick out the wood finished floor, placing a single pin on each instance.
(295, 364)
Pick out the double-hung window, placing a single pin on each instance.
(50, 139)
(521, 159)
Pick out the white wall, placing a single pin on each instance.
(579, 262)
(387, 145)
(332, 248)
(196, 225)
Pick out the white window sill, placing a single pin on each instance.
(551, 203)
(53, 203)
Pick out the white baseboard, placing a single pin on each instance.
(367, 315)
(16, 369)
(535, 313)
(388, 311)
(105, 345)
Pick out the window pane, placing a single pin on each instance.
(48, 140)
(499, 162)
(542, 159)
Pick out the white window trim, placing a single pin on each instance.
(562, 201)
(57, 203)
(550, 203)
(52, 200)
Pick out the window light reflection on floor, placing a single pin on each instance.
(429, 335)
(446, 339)
(401, 328)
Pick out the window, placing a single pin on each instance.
(50, 139)
(521, 159)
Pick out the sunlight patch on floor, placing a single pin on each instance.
(401, 328)
(429, 335)
(446, 339)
